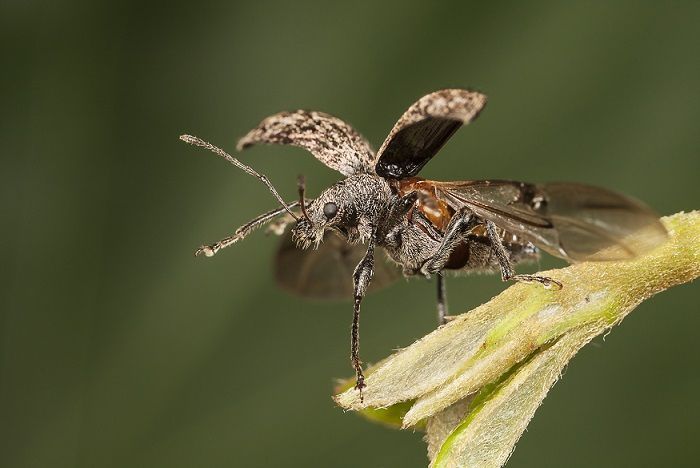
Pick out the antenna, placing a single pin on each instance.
(193, 140)
(301, 184)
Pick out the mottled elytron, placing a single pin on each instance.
(425, 226)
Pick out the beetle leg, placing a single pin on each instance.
(441, 299)
(393, 225)
(507, 271)
(461, 223)
(361, 278)
(242, 232)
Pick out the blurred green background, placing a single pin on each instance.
(119, 348)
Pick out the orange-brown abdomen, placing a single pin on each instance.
(434, 209)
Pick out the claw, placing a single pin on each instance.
(426, 270)
(359, 386)
(547, 283)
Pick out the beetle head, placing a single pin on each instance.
(350, 206)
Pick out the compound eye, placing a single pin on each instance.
(330, 209)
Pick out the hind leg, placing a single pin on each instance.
(507, 271)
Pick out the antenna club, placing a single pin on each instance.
(190, 139)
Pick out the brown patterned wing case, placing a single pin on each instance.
(332, 141)
(424, 128)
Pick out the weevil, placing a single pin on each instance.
(426, 227)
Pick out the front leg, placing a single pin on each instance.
(507, 272)
(361, 279)
(461, 223)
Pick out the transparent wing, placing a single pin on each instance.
(424, 128)
(576, 222)
(326, 272)
(332, 141)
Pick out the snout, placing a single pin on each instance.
(304, 234)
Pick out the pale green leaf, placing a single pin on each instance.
(477, 381)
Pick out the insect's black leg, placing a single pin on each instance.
(398, 210)
(461, 223)
(361, 279)
(507, 272)
(242, 232)
(441, 299)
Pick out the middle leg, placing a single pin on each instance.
(441, 299)
(461, 223)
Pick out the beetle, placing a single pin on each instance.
(427, 227)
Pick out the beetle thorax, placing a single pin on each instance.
(368, 194)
